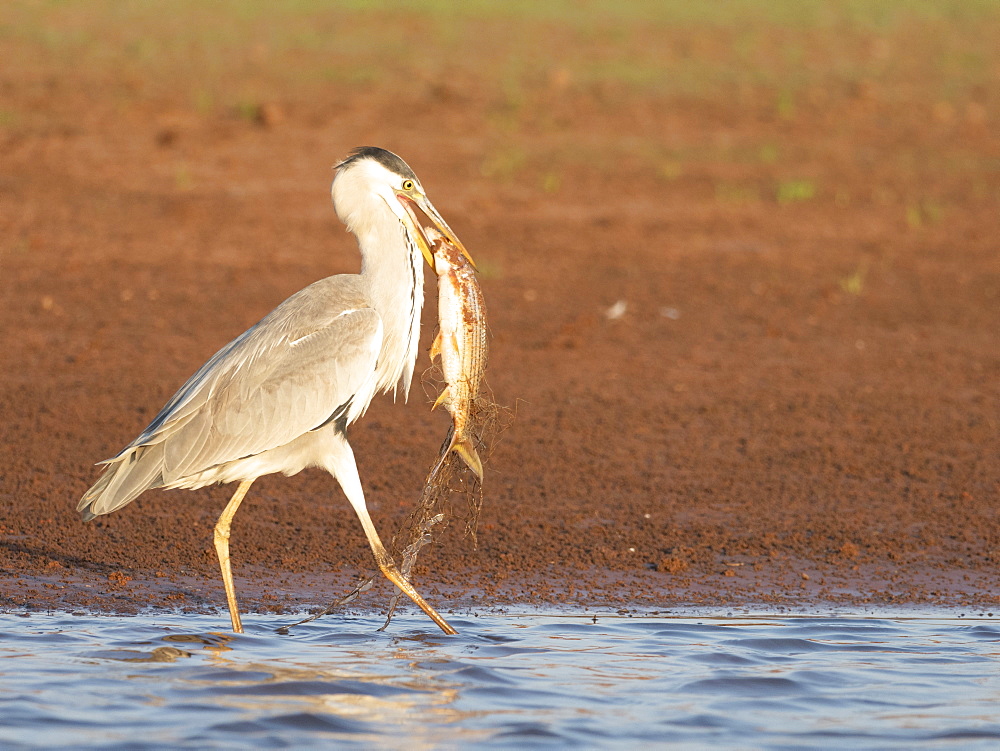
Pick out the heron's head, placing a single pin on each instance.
(373, 186)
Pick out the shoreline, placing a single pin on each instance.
(286, 593)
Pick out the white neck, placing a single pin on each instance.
(395, 284)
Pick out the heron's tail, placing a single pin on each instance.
(124, 478)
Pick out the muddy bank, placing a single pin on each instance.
(752, 355)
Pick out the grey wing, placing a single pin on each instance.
(274, 394)
(279, 380)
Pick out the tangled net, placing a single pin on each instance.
(448, 478)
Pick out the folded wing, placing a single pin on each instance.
(286, 376)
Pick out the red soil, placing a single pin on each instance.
(797, 407)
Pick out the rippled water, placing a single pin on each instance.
(170, 681)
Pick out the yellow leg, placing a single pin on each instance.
(340, 463)
(222, 549)
(389, 570)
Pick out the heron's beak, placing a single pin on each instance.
(424, 216)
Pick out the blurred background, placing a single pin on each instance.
(740, 260)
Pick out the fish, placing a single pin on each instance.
(461, 344)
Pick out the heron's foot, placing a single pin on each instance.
(392, 574)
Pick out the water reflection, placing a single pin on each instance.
(160, 654)
(171, 681)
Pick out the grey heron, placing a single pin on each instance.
(279, 397)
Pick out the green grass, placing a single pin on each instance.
(854, 283)
(922, 213)
(786, 105)
(157, 30)
(660, 48)
(793, 191)
(671, 170)
(504, 163)
(524, 59)
(868, 14)
(768, 153)
(183, 179)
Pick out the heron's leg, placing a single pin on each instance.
(342, 466)
(222, 549)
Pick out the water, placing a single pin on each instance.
(172, 680)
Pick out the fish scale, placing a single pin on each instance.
(461, 344)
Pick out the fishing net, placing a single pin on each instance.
(448, 481)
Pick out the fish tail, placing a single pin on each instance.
(464, 448)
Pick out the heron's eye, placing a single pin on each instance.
(407, 184)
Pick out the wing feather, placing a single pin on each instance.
(271, 401)
(286, 376)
